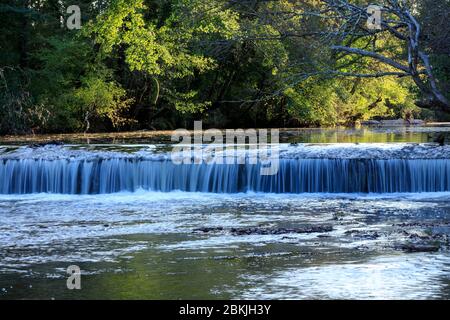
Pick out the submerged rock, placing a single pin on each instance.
(398, 122)
(417, 234)
(44, 144)
(338, 216)
(371, 123)
(418, 247)
(275, 231)
(363, 235)
(208, 229)
(267, 230)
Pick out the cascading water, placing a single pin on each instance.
(298, 175)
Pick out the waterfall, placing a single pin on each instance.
(97, 176)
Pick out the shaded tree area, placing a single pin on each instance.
(160, 64)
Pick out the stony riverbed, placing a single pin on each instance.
(182, 245)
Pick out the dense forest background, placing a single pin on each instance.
(160, 64)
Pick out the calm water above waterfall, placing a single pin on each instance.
(417, 134)
(336, 221)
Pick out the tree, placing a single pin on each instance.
(162, 47)
(160, 64)
(399, 22)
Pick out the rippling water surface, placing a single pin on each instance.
(192, 245)
(182, 245)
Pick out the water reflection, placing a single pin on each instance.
(416, 134)
(387, 277)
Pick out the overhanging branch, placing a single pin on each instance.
(373, 55)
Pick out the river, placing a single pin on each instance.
(142, 237)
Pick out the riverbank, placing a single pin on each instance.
(378, 134)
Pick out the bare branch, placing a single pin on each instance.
(373, 55)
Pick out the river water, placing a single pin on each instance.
(239, 245)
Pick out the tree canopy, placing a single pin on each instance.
(160, 64)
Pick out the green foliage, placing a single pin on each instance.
(100, 97)
(17, 112)
(375, 98)
(164, 51)
(345, 102)
(86, 88)
(312, 104)
(159, 64)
